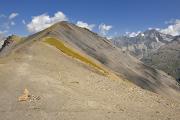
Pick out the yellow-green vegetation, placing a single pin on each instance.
(59, 44)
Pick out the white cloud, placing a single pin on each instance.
(44, 21)
(127, 33)
(103, 28)
(12, 23)
(7, 21)
(173, 29)
(150, 28)
(85, 25)
(13, 15)
(109, 37)
(171, 21)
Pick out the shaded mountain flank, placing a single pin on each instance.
(155, 49)
(68, 72)
(166, 58)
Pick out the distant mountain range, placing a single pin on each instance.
(154, 48)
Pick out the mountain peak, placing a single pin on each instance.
(61, 23)
(64, 24)
(152, 31)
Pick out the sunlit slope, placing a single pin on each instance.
(121, 63)
(59, 44)
(67, 50)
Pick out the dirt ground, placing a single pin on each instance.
(61, 88)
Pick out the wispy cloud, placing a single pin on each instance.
(173, 28)
(7, 21)
(103, 29)
(13, 15)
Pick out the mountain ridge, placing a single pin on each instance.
(113, 58)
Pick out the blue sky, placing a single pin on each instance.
(122, 15)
